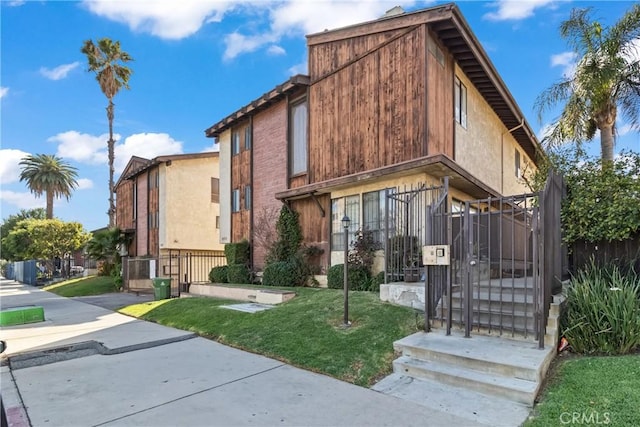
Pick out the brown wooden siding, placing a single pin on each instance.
(154, 209)
(124, 206)
(315, 227)
(240, 179)
(142, 214)
(370, 113)
(440, 102)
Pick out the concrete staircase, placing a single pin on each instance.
(489, 379)
(506, 305)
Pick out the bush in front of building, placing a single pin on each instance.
(238, 274)
(237, 253)
(358, 278)
(219, 274)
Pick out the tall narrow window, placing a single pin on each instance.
(235, 142)
(517, 164)
(135, 199)
(235, 200)
(460, 102)
(373, 212)
(247, 197)
(247, 137)
(298, 138)
(349, 206)
(215, 190)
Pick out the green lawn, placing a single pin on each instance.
(305, 331)
(592, 391)
(83, 286)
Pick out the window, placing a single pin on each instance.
(298, 138)
(517, 164)
(135, 198)
(235, 142)
(235, 200)
(215, 190)
(460, 102)
(247, 138)
(373, 213)
(350, 206)
(247, 197)
(217, 222)
(458, 206)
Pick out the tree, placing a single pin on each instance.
(50, 175)
(606, 78)
(9, 224)
(46, 238)
(104, 246)
(106, 59)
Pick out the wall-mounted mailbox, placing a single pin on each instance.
(435, 255)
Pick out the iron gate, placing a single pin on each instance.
(505, 256)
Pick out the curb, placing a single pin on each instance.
(14, 408)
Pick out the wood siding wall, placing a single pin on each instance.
(240, 179)
(439, 101)
(315, 227)
(124, 206)
(367, 102)
(154, 209)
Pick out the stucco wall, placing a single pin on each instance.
(224, 141)
(269, 168)
(187, 214)
(478, 147)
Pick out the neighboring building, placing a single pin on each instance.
(395, 103)
(170, 205)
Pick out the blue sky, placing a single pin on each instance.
(196, 61)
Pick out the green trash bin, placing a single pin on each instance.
(161, 288)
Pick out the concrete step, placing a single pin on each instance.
(489, 354)
(478, 408)
(519, 390)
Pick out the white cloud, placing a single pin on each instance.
(515, 10)
(213, 148)
(59, 72)
(238, 43)
(566, 60)
(82, 147)
(276, 50)
(22, 200)
(544, 131)
(163, 18)
(84, 184)
(3, 91)
(9, 165)
(147, 145)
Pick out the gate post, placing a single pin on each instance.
(467, 260)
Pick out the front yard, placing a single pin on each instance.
(591, 391)
(83, 286)
(306, 331)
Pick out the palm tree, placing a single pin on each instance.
(606, 79)
(106, 59)
(48, 174)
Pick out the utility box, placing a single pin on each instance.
(435, 255)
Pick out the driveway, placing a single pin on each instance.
(88, 366)
(115, 300)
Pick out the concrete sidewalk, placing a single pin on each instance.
(194, 382)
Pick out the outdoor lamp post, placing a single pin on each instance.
(345, 224)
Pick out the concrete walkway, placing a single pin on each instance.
(130, 372)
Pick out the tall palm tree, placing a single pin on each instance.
(606, 80)
(50, 175)
(107, 60)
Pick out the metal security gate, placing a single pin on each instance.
(505, 256)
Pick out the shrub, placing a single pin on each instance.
(237, 253)
(603, 311)
(238, 274)
(358, 278)
(289, 236)
(376, 281)
(219, 274)
(363, 249)
(280, 273)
